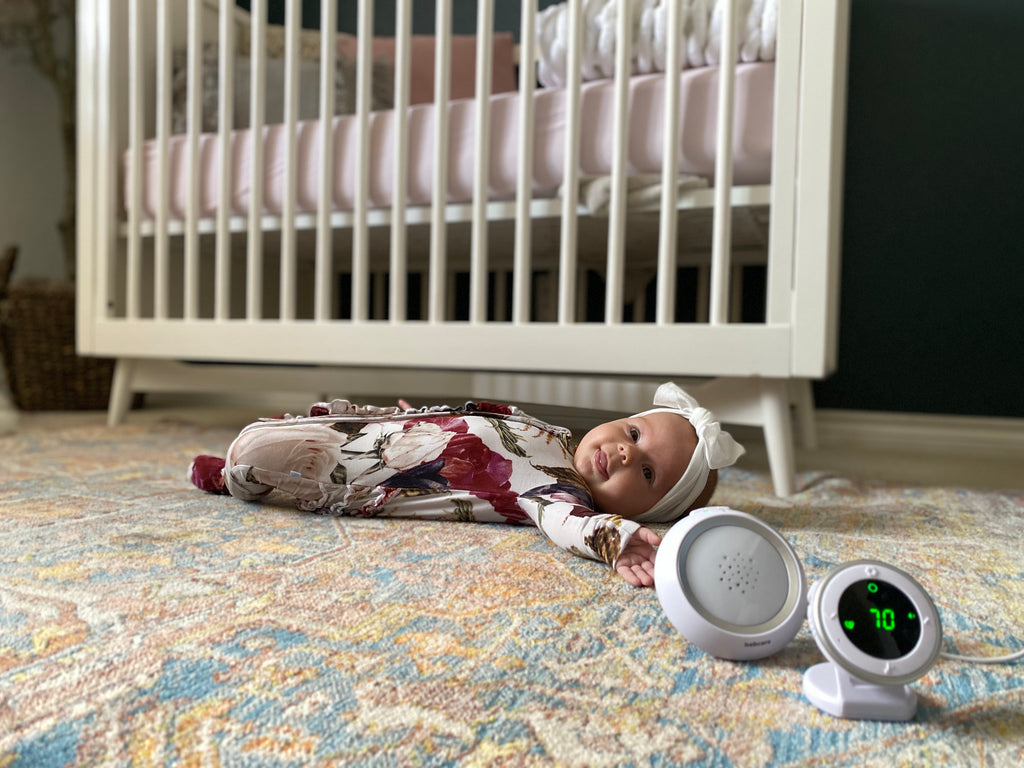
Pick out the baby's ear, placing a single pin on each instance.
(705, 495)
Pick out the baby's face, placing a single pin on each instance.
(631, 463)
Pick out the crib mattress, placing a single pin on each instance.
(698, 104)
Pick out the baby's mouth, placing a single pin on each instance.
(601, 463)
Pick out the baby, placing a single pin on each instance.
(490, 463)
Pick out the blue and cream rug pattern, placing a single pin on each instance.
(144, 623)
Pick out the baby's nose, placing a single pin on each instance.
(625, 453)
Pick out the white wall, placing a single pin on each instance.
(31, 168)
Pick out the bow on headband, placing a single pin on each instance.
(715, 449)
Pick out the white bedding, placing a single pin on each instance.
(701, 36)
(698, 101)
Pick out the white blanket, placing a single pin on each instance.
(701, 36)
(643, 191)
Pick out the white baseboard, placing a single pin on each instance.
(978, 436)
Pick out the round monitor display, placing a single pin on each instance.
(879, 619)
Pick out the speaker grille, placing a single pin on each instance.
(734, 575)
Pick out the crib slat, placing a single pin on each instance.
(324, 235)
(226, 85)
(257, 112)
(721, 242)
(668, 220)
(161, 243)
(360, 228)
(522, 261)
(293, 23)
(570, 174)
(620, 142)
(481, 166)
(136, 56)
(438, 283)
(194, 125)
(399, 272)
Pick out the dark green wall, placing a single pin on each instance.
(932, 316)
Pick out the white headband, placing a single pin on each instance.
(715, 449)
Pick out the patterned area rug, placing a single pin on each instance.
(145, 623)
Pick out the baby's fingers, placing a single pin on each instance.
(639, 575)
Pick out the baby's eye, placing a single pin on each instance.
(648, 474)
(634, 433)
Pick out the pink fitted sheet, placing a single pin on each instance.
(698, 103)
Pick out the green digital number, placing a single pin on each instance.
(884, 619)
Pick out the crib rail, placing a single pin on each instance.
(299, 287)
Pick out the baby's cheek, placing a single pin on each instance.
(615, 500)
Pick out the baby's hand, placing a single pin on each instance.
(636, 562)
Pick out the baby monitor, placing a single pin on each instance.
(735, 589)
(730, 584)
(879, 630)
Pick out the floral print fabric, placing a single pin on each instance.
(482, 462)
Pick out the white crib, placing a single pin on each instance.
(358, 280)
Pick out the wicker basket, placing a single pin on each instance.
(37, 333)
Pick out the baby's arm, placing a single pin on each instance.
(626, 546)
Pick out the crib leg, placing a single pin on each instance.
(778, 434)
(120, 391)
(8, 413)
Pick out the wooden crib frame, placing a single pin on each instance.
(171, 330)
